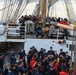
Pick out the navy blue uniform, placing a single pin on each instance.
(62, 53)
(20, 70)
(45, 64)
(51, 52)
(29, 58)
(0, 72)
(42, 56)
(1, 63)
(12, 58)
(38, 74)
(51, 70)
(38, 31)
(12, 72)
(5, 72)
(22, 56)
(39, 53)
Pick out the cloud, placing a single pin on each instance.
(1, 0)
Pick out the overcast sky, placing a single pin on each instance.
(60, 10)
(1, 0)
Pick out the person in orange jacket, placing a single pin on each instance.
(63, 72)
(65, 22)
(57, 64)
(32, 63)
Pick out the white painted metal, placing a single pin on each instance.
(46, 44)
(2, 33)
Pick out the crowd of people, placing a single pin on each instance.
(38, 18)
(30, 17)
(37, 62)
(38, 27)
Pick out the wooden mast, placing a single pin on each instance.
(43, 9)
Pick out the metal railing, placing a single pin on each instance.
(13, 32)
(19, 32)
(55, 32)
(16, 31)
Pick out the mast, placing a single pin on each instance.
(43, 9)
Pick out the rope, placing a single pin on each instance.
(49, 6)
(17, 10)
(52, 11)
(55, 10)
(8, 10)
(23, 9)
(12, 8)
(5, 7)
(63, 3)
(36, 10)
(4, 12)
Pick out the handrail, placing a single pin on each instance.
(15, 31)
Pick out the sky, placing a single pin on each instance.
(29, 9)
(1, 0)
(1, 6)
(59, 8)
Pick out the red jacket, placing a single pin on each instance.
(65, 23)
(56, 65)
(32, 63)
(63, 73)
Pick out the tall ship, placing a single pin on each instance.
(43, 28)
(13, 35)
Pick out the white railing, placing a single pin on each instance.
(16, 31)
(20, 32)
(13, 32)
(55, 32)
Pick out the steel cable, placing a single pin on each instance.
(23, 9)
(12, 8)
